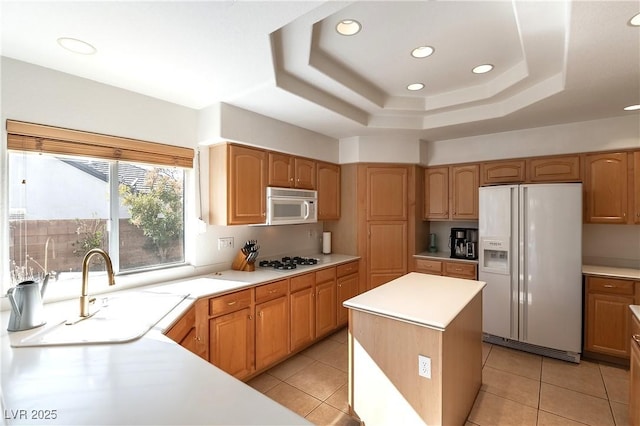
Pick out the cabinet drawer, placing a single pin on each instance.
(347, 268)
(429, 266)
(460, 270)
(302, 281)
(230, 302)
(271, 291)
(610, 285)
(325, 275)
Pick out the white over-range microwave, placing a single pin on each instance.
(287, 206)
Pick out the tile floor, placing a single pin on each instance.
(518, 388)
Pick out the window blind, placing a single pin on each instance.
(55, 140)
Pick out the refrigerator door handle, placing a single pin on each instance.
(522, 266)
(514, 261)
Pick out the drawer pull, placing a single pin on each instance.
(609, 286)
(232, 303)
(272, 291)
(636, 337)
(458, 269)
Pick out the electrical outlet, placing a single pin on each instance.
(424, 366)
(225, 243)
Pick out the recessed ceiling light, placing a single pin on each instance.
(632, 108)
(422, 51)
(481, 69)
(635, 21)
(415, 86)
(348, 27)
(76, 46)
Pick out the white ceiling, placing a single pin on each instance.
(555, 61)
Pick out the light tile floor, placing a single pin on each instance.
(518, 388)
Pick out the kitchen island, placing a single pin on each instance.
(150, 380)
(439, 318)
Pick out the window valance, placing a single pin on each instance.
(55, 140)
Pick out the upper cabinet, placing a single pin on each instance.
(606, 187)
(387, 194)
(464, 192)
(328, 182)
(291, 172)
(436, 197)
(452, 192)
(238, 177)
(498, 172)
(565, 168)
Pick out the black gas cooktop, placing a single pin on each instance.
(288, 263)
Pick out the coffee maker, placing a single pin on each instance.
(463, 243)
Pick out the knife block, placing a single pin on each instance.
(240, 263)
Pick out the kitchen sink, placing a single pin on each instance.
(115, 319)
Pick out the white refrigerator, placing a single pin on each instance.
(530, 256)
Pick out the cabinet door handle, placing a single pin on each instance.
(636, 337)
(260, 313)
(250, 318)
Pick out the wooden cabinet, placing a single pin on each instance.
(386, 193)
(448, 268)
(565, 168)
(467, 271)
(436, 197)
(605, 187)
(387, 251)
(185, 333)
(452, 192)
(634, 374)
(302, 309)
(500, 172)
(238, 178)
(326, 319)
(636, 190)
(231, 342)
(464, 192)
(347, 287)
(328, 182)
(607, 327)
(291, 172)
(272, 323)
(428, 266)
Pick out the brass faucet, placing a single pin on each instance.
(84, 299)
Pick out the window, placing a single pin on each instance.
(61, 206)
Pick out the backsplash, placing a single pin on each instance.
(611, 245)
(602, 244)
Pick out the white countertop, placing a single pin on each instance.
(609, 271)
(152, 380)
(442, 256)
(426, 300)
(635, 309)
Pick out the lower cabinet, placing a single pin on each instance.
(347, 287)
(634, 377)
(185, 333)
(249, 330)
(272, 323)
(231, 342)
(455, 269)
(302, 307)
(607, 327)
(325, 301)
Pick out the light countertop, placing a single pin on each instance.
(426, 300)
(635, 309)
(442, 256)
(151, 380)
(609, 271)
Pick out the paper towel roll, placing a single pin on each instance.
(326, 243)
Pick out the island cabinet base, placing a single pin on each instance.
(384, 385)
